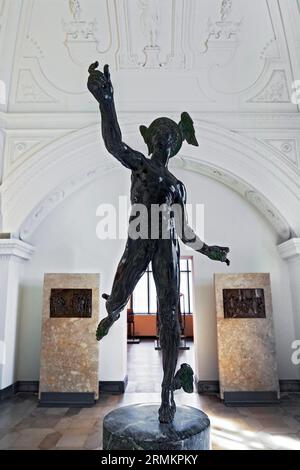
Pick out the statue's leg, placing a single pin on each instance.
(166, 274)
(133, 264)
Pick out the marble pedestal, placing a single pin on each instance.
(246, 341)
(136, 427)
(69, 374)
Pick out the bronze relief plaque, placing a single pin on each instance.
(71, 303)
(244, 303)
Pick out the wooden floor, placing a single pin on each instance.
(25, 426)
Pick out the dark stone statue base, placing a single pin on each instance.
(136, 427)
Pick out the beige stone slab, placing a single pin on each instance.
(246, 346)
(70, 351)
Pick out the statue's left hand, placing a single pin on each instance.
(216, 253)
(99, 83)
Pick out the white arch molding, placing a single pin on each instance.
(247, 166)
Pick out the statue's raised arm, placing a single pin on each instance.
(99, 84)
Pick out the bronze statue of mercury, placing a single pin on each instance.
(152, 185)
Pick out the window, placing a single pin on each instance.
(144, 299)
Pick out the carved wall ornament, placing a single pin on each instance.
(255, 198)
(150, 21)
(275, 91)
(269, 212)
(220, 44)
(33, 48)
(41, 211)
(235, 176)
(288, 147)
(226, 9)
(223, 29)
(150, 24)
(17, 148)
(270, 50)
(75, 9)
(151, 34)
(81, 38)
(59, 194)
(29, 90)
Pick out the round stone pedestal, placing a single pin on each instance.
(136, 427)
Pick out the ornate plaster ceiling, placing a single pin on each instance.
(231, 55)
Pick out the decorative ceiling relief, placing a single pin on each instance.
(30, 91)
(82, 36)
(287, 147)
(236, 46)
(63, 37)
(223, 29)
(270, 50)
(22, 144)
(150, 25)
(223, 55)
(275, 91)
(151, 34)
(20, 147)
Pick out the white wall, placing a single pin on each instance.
(230, 221)
(1, 170)
(66, 242)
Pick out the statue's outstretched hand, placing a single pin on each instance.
(216, 253)
(99, 83)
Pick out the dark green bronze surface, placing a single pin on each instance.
(152, 184)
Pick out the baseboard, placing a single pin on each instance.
(207, 387)
(27, 386)
(7, 392)
(32, 386)
(204, 387)
(250, 398)
(289, 385)
(113, 386)
(54, 399)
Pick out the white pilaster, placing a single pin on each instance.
(290, 251)
(12, 254)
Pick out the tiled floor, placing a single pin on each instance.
(144, 366)
(25, 426)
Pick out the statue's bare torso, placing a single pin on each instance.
(151, 184)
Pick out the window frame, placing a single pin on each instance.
(188, 270)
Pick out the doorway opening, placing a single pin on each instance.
(144, 353)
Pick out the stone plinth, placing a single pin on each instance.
(136, 427)
(246, 345)
(69, 357)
